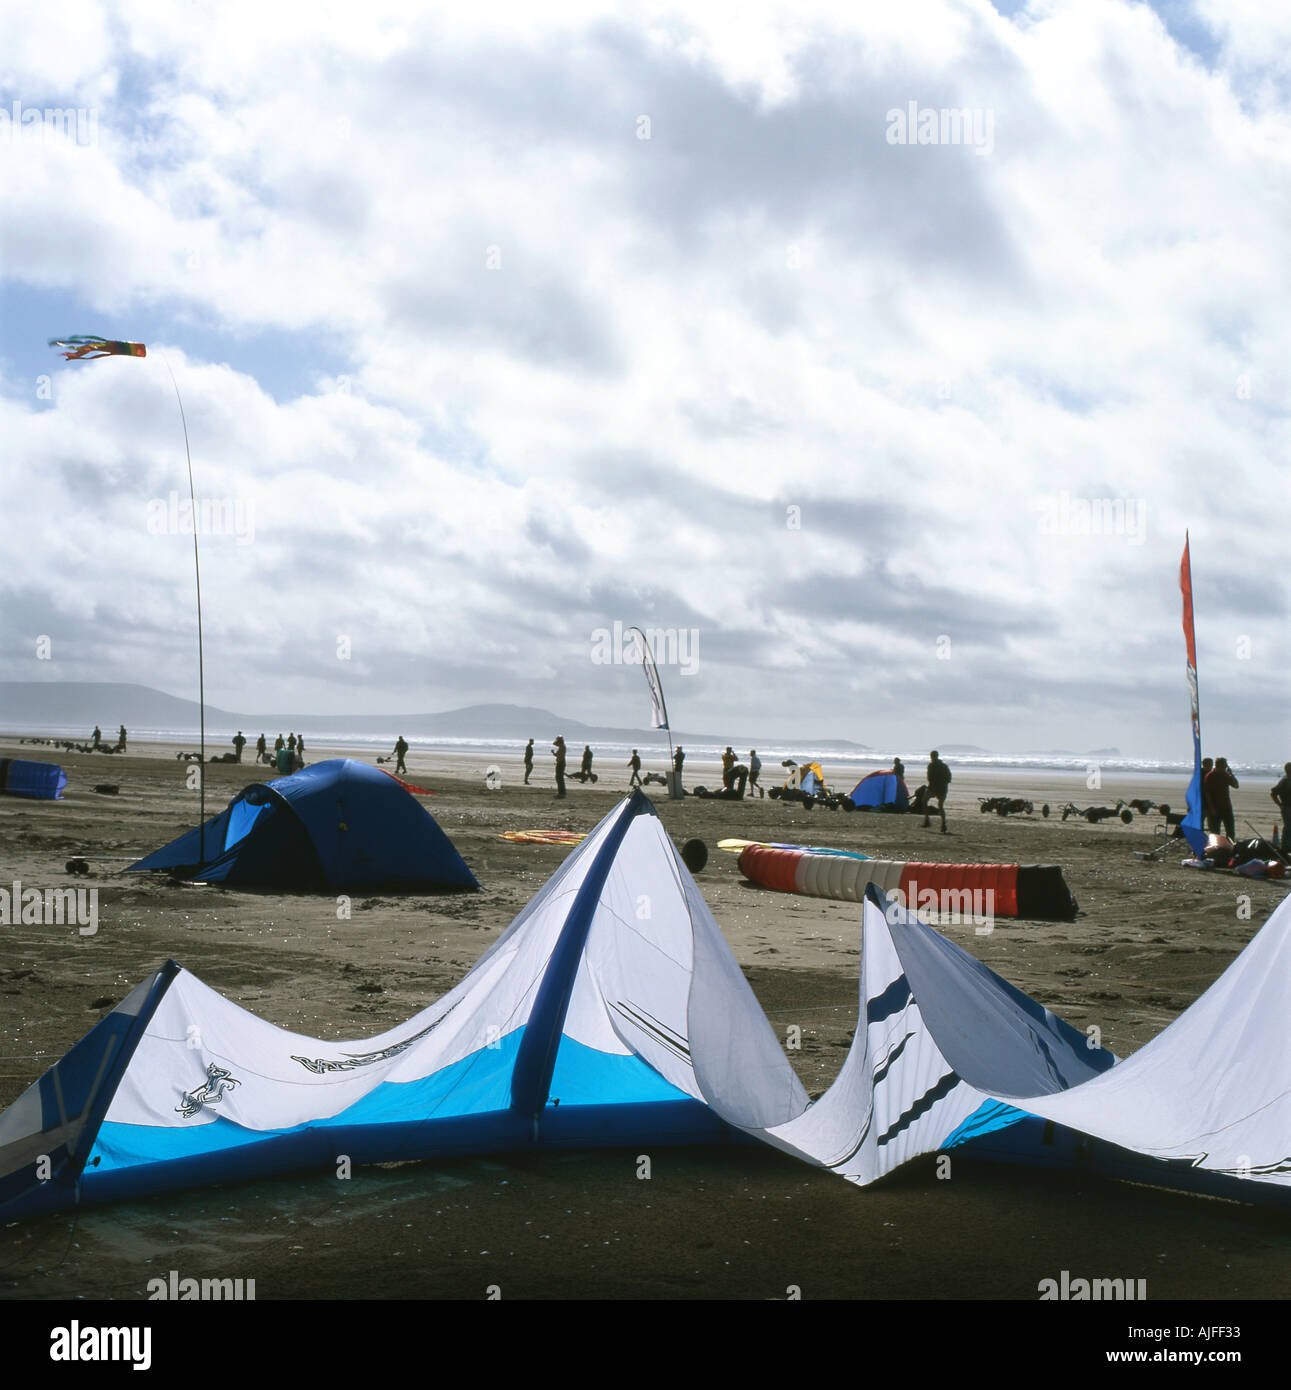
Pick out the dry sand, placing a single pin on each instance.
(721, 1223)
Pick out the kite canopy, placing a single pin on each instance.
(336, 824)
(883, 791)
(44, 781)
(1034, 891)
(86, 347)
(611, 1012)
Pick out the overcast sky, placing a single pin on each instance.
(494, 327)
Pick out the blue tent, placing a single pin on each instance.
(44, 781)
(881, 791)
(336, 824)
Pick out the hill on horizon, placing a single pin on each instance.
(28, 705)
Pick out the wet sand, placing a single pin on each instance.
(719, 1223)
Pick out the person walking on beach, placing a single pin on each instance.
(1217, 785)
(1281, 795)
(586, 770)
(528, 761)
(400, 752)
(261, 755)
(755, 766)
(634, 762)
(239, 743)
(938, 780)
(558, 752)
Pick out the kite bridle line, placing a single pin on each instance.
(197, 573)
(85, 347)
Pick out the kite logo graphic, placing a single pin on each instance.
(218, 1083)
(320, 1066)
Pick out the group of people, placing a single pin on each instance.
(288, 754)
(1217, 785)
(120, 744)
(737, 775)
(560, 753)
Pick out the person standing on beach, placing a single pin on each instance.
(261, 755)
(728, 768)
(98, 737)
(239, 743)
(755, 766)
(400, 752)
(1281, 795)
(586, 770)
(528, 761)
(678, 758)
(558, 752)
(899, 768)
(278, 745)
(938, 785)
(300, 748)
(634, 762)
(1217, 794)
(121, 738)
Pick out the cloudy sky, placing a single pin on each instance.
(884, 354)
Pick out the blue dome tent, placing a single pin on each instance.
(881, 791)
(337, 824)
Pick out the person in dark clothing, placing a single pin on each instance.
(300, 749)
(634, 762)
(528, 761)
(728, 766)
(239, 743)
(1281, 795)
(938, 785)
(261, 755)
(121, 738)
(678, 758)
(400, 752)
(755, 766)
(1217, 795)
(586, 770)
(899, 768)
(558, 752)
(98, 736)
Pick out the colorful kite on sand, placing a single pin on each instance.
(86, 348)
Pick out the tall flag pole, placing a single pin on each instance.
(1193, 828)
(86, 348)
(658, 710)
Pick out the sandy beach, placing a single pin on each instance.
(721, 1223)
